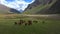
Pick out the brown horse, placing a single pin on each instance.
(29, 22)
(35, 21)
(15, 23)
(21, 22)
(25, 23)
(43, 22)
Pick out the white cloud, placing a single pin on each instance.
(17, 4)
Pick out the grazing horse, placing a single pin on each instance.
(43, 22)
(29, 22)
(35, 21)
(15, 23)
(21, 22)
(26, 24)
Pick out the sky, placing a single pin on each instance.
(17, 4)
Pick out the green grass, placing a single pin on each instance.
(51, 26)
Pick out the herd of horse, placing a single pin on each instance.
(29, 22)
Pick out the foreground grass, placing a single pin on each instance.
(51, 26)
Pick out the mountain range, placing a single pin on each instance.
(38, 7)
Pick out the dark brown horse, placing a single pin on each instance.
(21, 22)
(35, 21)
(15, 23)
(29, 22)
(43, 22)
(25, 23)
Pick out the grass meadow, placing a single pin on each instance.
(7, 26)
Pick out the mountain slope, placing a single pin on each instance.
(3, 9)
(55, 8)
(42, 8)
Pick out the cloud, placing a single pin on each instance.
(17, 4)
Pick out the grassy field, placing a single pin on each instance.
(7, 26)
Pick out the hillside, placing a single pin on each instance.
(54, 9)
(3, 9)
(44, 7)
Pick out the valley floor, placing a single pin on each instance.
(51, 25)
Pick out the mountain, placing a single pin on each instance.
(3, 9)
(55, 8)
(44, 7)
(14, 11)
(38, 7)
